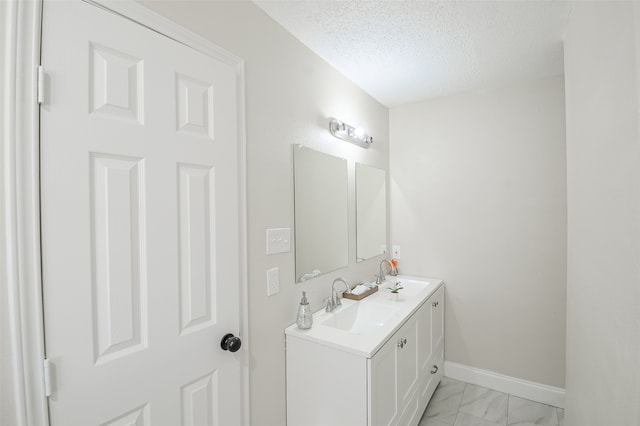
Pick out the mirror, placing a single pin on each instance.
(371, 212)
(321, 213)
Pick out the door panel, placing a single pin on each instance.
(196, 186)
(117, 185)
(383, 402)
(407, 361)
(437, 318)
(424, 339)
(139, 167)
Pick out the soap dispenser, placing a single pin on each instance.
(305, 316)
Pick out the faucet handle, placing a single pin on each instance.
(330, 304)
(338, 301)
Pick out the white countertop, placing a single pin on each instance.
(396, 312)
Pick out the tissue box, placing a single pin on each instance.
(360, 296)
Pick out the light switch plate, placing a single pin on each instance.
(273, 281)
(278, 240)
(395, 252)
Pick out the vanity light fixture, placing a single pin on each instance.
(355, 135)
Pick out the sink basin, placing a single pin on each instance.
(361, 318)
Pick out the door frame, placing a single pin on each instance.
(21, 305)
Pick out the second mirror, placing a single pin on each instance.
(371, 212)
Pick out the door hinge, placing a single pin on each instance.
(41, 85)
(46, 373)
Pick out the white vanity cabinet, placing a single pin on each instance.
(392, 385)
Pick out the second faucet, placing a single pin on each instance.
(380, 276)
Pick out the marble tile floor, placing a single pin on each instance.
(456, 403)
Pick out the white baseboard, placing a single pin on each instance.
(513, 386)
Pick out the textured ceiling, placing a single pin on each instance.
(403, 51)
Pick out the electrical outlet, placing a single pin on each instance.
(273, 281)
(395, 252)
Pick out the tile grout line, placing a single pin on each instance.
(455, 420)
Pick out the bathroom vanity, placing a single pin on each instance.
(371, 362)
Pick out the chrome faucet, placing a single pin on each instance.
(333, 301)
(380, 276)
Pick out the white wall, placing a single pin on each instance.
(478, 197)
(290, 94)
(603, 169)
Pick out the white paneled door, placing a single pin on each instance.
(140, 224)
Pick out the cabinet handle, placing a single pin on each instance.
(401, 344)
(434, 370)
(435, 304)
(404, 341)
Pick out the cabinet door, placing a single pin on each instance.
(430, 355)
(407, 361)
(432, 372)
(394, 375)
(437, 318)
(383, 406)
(424, 338)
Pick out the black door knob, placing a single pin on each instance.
(230, 343)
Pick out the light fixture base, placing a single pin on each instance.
(346, 132)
